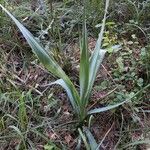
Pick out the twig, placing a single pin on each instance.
(104, 137)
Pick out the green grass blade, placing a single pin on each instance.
(84, 64)
(22, 113)
(45, 59)
(20, 135)
(146, 141)
(103, 109)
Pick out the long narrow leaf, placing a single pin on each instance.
(84, 64)
(98, 54)
(146, 141)
(91, 139)
(46, 59)
(103, 109)
(63, 84)
(84, 139)
(17, 130)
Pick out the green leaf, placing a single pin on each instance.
(131, 96)
(92, 141)
(43, 56)
(68, 90)
(84, 65)
(98, 55)
(103, 109)
(84, 139)
(22, 114)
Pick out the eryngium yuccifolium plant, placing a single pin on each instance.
(89, 66)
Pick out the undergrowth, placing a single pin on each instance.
(35, 116)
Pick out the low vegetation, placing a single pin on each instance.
(106, 79)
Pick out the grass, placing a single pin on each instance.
(33, 113)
